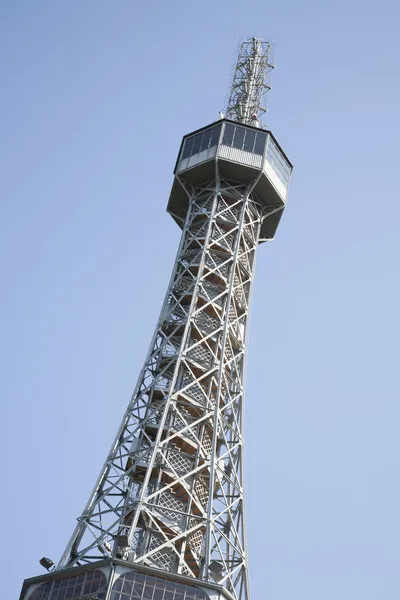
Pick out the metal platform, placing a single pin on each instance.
(226, 150)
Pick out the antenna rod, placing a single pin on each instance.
(250, 82)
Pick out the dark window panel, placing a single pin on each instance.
(127, 586)
(205, 142)
(118, 584)
(196, 143)
(271, 144)
(215, 133)
(228, 134)
(148, 592)
(260, 142)
(239, 138)
(169, 585)
(153, 590)
(249, 140)
(138, 588)
(187, 149)
(72, 587)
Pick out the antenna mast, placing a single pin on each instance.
(250, 82)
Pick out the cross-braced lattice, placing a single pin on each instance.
(250, 82)
(170, 494)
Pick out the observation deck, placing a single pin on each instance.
(240, 153)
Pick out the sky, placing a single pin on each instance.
(95, 97)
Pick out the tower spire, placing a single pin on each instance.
(250, 82)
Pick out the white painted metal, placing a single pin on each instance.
(170, 493)
(250, 82)
(240, 156)
(273, 177)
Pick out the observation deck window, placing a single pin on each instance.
(278, 162)
(139, 586)
(92, 584)
(201, 141)
(245, 139)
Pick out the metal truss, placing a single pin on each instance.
(250, 82)
(170, 494)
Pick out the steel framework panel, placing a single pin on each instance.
(170, 494)
(250, 82)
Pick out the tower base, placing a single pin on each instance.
(113, 579)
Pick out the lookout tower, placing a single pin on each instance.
(165, 520)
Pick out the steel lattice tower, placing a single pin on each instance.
(165, 520)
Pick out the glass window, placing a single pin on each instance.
(70, 592)
(215, 133)
(205, 142)
(278, 161)
(249, 140)
(244, 139)
(196, 144)
(239, 138)
(260, 142)
(228, 134)
(187, 149)
(153, 590)
(202, 141)
(73, 588)
(148, 592)
(137, 588)
(127, 587)
(169, 585)
(118, 584)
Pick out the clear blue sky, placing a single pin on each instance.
(95, 97)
